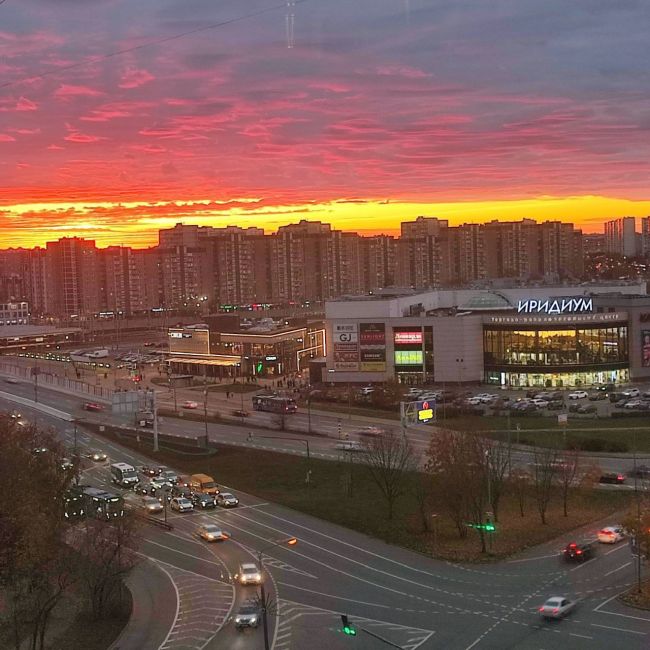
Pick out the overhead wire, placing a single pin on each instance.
(141, 46)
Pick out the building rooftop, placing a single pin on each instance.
(7, 331)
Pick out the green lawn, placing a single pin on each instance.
(343, 493)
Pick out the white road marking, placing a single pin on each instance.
(531, 559)
(320, 593)
(618, 629)
(609, 573)
(618, 548)
(178, 603)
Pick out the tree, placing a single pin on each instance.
(544, 466)
(567, 474)
(519, 480)
(389, 458)
(34, 567)
(497, 457)
(107, 555)
(421, 489)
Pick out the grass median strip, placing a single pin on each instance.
(343, 493)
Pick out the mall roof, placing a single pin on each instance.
(22, 331)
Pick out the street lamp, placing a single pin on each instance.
(289, 541)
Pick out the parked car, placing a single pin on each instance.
(598, 396)
(611, 534)
(587, 408)
(612, 478)
(578, 394)
(578, 551)
(631, 392)
(557, 607)
(555, 405)
(605, 388)
(11, 380)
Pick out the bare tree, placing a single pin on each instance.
(544, 467)
(389, 458)
(497, 457)
(421, 488)
(108, 555)
(519, 480)
(567, 475)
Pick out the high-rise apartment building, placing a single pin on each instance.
(645, 236)
(379, 259)
(621, 237)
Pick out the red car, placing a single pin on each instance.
(92, 406)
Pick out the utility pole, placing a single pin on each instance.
(205, 404)
(155, 420)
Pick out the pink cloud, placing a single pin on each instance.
(76, 136)
(134, 78)
(25, 104)
(66, 90)
(6, 138)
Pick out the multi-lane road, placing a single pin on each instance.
(407, 599)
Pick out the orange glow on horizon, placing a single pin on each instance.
(136, 223)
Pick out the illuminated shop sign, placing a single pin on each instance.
(176, 335)
(408, 337)
(425, 411)
(559, 306)
(408, 357)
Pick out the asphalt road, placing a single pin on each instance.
(407, 599)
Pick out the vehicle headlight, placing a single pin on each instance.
(238, 619)
(253, 619)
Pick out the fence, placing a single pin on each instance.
(52, 380)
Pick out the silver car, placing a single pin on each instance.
(557, 607)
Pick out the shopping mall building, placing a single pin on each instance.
(543, 336)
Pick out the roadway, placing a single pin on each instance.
(411, 601)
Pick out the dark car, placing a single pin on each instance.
(578, 551)
(605, 388)
(181, 491)
(598, 396)
(248, 615)
(587, 408)
(612, 478)
(202, 501)
(555, 405)
(93, 406)
(150, 471)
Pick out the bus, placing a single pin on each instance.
(87, 501)
(274, 404)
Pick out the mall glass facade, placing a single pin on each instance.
(561, 356)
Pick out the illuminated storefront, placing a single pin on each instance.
(556, 351)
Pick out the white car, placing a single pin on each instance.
(370, 431)
(249, 574)
(181, 504)
(611, 534)
(349, 445)
(488, 399)
(631, 392)
(541, 403)
(211, 533)
(578, 394)
(475, 401)
(190, 405)
(557, 607)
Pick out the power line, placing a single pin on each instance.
(142, 46)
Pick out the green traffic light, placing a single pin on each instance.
(489, 527)
(350, 631)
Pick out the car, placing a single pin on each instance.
(634, 404)
(540, 403)
(611, 534)
(93, 406)
(190, 405)
(555, 405)
(227, 500)
(211, 533)
(15, 415)
(66, 464)
(151, 505)
(646, 394)
(169, 475)
(587, 408)
(619, 404)
(249, 614)
(578, 394)
(605, 388)
(557, 607)
(367, 390)
(631, 392)
(249, 574)
(598, 396)
(37, 451)
(150, 471)
(578, 551)
(612, 478)
(11, 380)
(349, 445)
(96, 455)
(159, 483)
(369, 431)
(474, 401)
(182, 491)
(202, 501)
(180, 504)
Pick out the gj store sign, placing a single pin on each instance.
(555, 306)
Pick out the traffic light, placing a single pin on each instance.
(489, 527)
(348, 628)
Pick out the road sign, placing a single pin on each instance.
(562, 418)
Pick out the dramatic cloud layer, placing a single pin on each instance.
(117, 117)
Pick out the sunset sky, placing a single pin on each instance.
(120, 117)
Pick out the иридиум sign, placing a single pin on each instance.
(555, 306)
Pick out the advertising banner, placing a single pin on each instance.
(345, 339)
(372, 354)
(372, 334)
(645, 348)
(408, 338)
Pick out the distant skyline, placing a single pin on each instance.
(120, 118)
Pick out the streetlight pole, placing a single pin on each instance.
(290, 541)
(205, 404)
(309, 412)
(154, 408)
